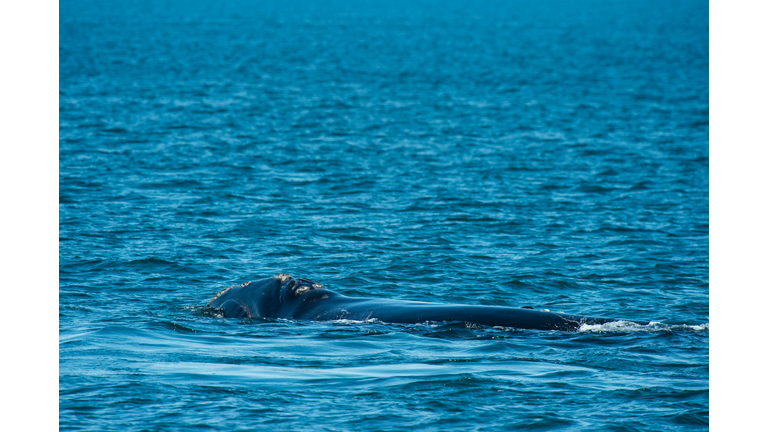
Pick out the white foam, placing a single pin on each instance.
(628, 327)
(351, 321)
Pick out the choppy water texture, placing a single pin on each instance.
(548, 153)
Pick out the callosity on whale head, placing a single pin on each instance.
(273, 297)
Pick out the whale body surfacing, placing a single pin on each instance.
(283, 296)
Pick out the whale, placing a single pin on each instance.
(286, 297)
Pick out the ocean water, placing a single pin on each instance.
(549, 153)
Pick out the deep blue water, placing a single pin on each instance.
(547, 153)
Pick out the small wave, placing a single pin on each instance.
(176, 327)
(150, 262)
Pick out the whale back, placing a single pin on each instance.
(283, 296)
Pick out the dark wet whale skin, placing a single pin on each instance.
(283, 296)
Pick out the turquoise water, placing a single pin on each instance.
(552, 154)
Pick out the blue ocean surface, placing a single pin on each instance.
(547, 153)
